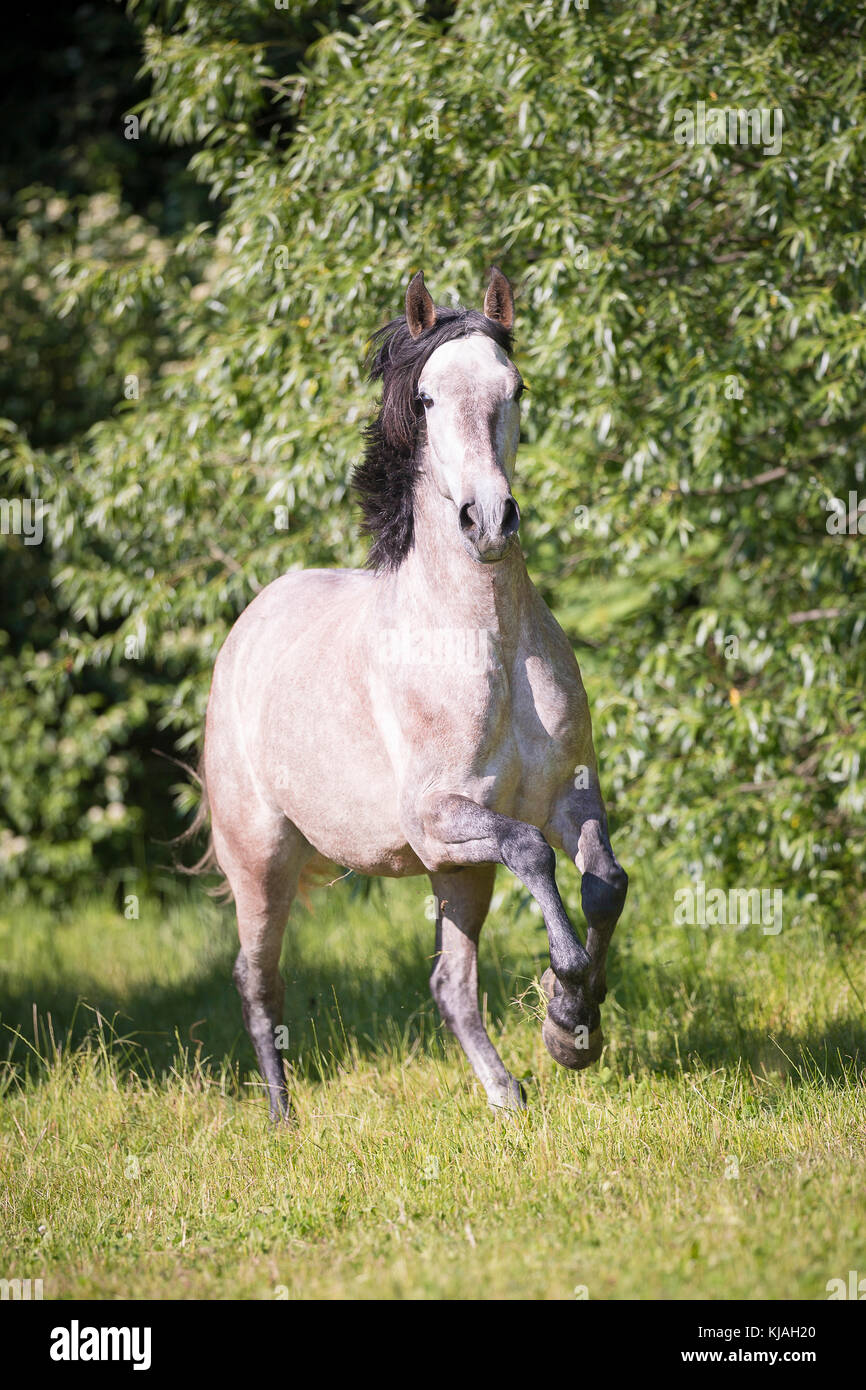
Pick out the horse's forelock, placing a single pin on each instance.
(385, 480)
(398, 359)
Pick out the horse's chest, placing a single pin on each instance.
(546, 732)
(525, 741)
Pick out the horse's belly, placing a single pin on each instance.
(346, 805)
(352, 829)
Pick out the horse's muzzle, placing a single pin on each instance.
(487, 529)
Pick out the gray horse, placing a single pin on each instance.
(424, 715)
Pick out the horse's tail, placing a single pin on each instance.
(207, 863)
(318, 873)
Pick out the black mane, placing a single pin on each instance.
(384, 481)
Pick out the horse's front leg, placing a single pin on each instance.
(462, 900)
(579, 823)
(447, 829)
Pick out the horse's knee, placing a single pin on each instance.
(439, 986)
(603, 896)
(526, 853)
(445, 990)
(239, 973)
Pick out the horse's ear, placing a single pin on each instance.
(499, 299)
(420, 309)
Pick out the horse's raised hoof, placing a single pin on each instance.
(563, 1045)
(564, 1049)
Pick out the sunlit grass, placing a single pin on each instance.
(717, 1150)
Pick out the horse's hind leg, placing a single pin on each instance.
(462, 900)
(262, 867)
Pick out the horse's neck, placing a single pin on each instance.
(439, 585)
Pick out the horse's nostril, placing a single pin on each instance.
(468, 517)
(510, 517)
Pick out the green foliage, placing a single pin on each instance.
(690, 323)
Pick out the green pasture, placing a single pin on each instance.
(716, 1151)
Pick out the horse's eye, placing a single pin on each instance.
(424, 399)
(520, 390)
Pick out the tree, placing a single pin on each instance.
(690, 323)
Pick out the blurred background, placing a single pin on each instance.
(207, 209)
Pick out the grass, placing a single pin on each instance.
(716, 1151)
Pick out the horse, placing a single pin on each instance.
(423, 715)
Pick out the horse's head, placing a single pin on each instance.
(468, 391)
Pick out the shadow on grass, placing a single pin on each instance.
(829, 1053)
(337, 1012)
(333, 1013)
(719, 1029)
